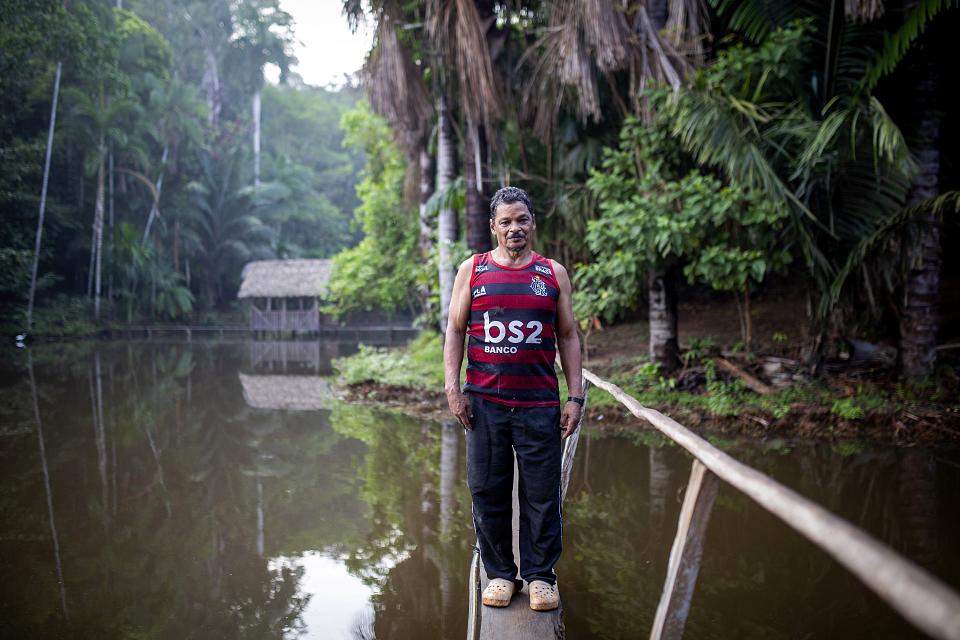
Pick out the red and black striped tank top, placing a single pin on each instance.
(512, 342)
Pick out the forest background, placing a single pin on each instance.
(670, 146)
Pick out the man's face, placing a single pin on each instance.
(513, 224)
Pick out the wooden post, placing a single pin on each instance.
(570, 447)
(473, 619)
(685, 555)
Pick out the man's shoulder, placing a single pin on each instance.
(468, 263)
(557, 267)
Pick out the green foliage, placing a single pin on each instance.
(897, 44)
(793, 117)
(418, 365)
(848, 409)
(142, 49)
(653, 212)
(427, 281)
(135, 95)
(62, 316)
(224, 215)
(848, 449)
(305, 151)
(381, 271)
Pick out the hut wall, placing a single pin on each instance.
(274, 319)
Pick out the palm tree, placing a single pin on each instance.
(102, 124)
(587, 43)
(447, 219)
(825, 146)
(397, 91)
(919, 319)
(225, 233)
(458, 57)
(176, 112)
(263, 35)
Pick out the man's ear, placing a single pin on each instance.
(492, 230)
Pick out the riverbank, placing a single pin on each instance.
(717, 392)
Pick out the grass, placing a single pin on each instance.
(642, 380)
(418, 365)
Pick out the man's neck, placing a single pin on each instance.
(509, 258)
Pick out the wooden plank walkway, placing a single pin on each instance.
(518, 620)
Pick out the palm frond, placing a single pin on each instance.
(688, 27)
(949, 201)
(454, 26)
(756, 19)
(394, 84)
(897, 45)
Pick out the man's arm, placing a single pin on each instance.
(457, 319)
(568, 344)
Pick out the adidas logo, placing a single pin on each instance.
(482, 291)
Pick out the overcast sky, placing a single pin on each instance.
(326, 49)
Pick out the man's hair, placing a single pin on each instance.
(509, 195)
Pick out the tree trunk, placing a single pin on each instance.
(426, 222)
(210, 85)
(155, 207)
(46, 485)
(663, 318)
(447, 222)
(919, 318)
(110, 203)
(93, 253)
(477, 214)
(917, 501)
(256, 138)
(426, 191)
(43, 195)
(98, 225)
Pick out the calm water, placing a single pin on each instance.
(177, 491)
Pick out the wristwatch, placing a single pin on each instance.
(579, 401)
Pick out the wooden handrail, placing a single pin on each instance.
(918, 596)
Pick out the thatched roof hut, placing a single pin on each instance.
(285, 279)
(291, 393)
(285, 294)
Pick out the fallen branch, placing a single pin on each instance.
(752, 382)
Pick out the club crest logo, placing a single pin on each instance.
(539, 286)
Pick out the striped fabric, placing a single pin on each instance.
(512, 342)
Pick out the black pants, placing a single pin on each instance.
(534, 433)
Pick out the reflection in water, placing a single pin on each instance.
(46, 485)
(198, 495)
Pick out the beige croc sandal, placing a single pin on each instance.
(543, 596)
(498, 592)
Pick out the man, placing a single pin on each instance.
(515, 306)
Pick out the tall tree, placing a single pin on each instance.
(447, 219)
(101, 124)
(919, 316)
(43, 194)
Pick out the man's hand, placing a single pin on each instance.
(460, 406)
(569, 419)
